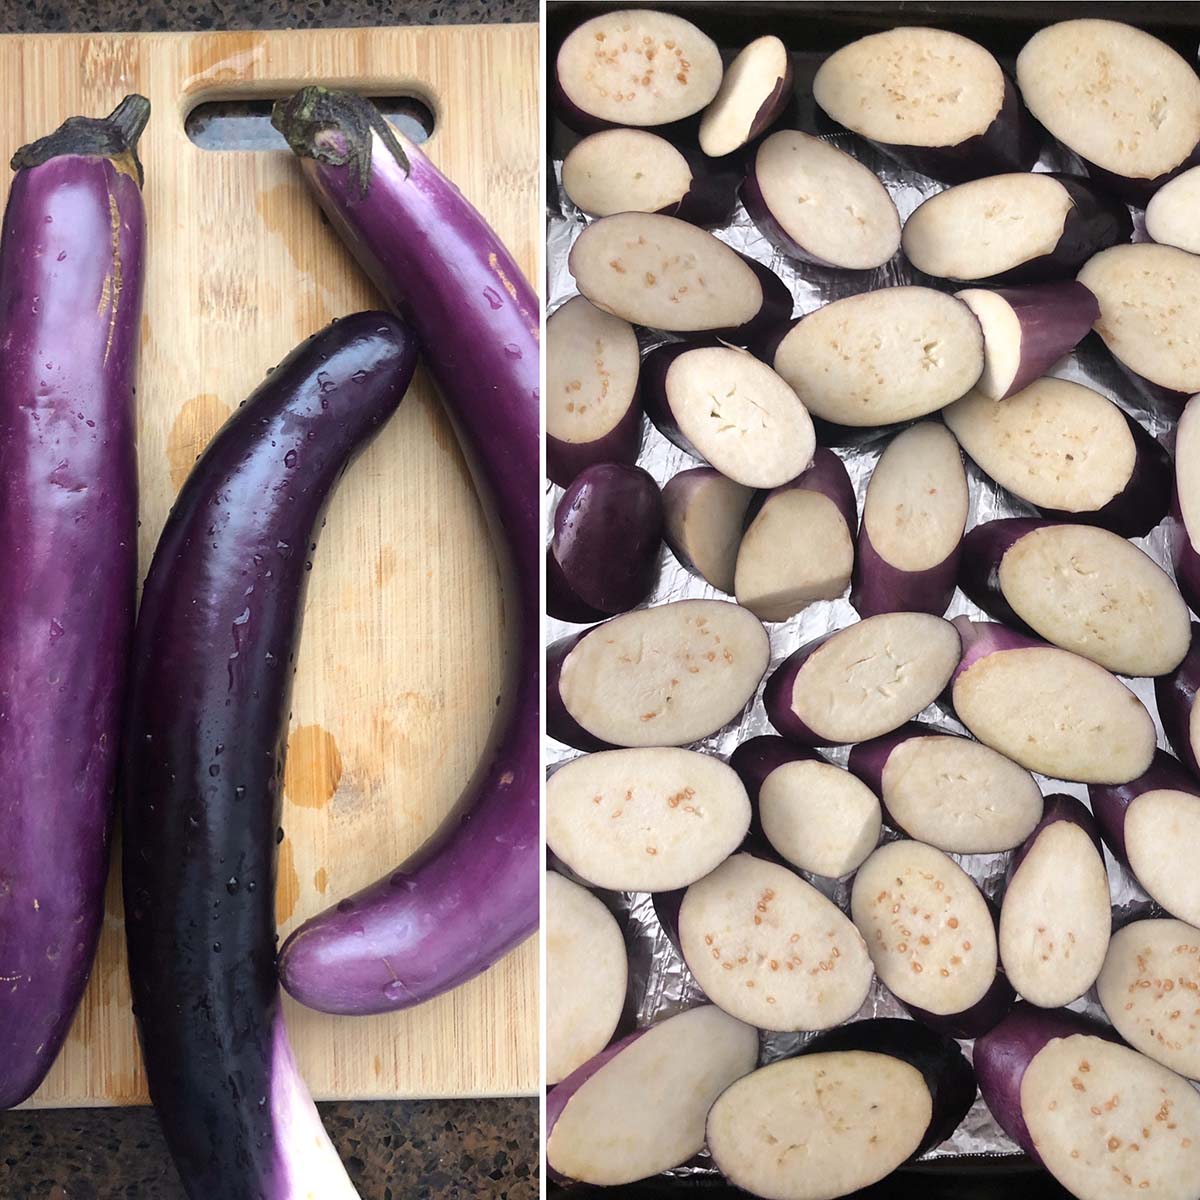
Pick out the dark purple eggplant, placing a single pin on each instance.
(1183, 521)
(470, 895)
(72, 261)
(705, 513)
(1176, 698)
(756, 89)
(203, 758)
(603, 558)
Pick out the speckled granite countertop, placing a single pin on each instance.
(411, 1150)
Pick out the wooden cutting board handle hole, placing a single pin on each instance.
(244, 123)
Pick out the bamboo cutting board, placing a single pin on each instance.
(399, 668)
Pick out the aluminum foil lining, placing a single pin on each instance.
(659, 978)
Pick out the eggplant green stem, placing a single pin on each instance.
(307, 118)
(115, 136)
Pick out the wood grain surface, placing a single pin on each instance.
(398, 668)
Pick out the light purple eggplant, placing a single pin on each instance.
(603, 558)
(470, 895)
(1181, 541)
(1176, 696)
(1049, 320)
(1002, 1054)
(879, 587)
(72, 263)
(1110, 802)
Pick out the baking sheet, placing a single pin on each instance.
(659, 978)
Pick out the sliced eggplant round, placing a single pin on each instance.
(883, 356)
(1019, 228)
(935, 101)
(1149, 296)
(816, 816)
(634, 170)
(1123, 101)
(662, 272)
(725, 406)
(799, 548)
(1148, 988)
(955, 794)
(1183, 527)
(1177, 708)
(931, 936)
(645, 820)
(705, 514)
(638, 1108)
(769, 949)
(1056, 916)
(1171, 213)
(913, 520)
(1047, 709)
(1026, 330)
(587, 973)
(1081, 588)
(1149, 823)
(1104, 1120)
(635, 67)
(661, 676)
(755, 90)
(603, 558)
(862, 681)
(592, 411)
(1069, 451)
(816, 203)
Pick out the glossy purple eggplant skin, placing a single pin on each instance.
(753, 761)
(1002, 1054)
(203, 751)
(712, 197)
(603, 558)
(981, 638)
(983, 551)
(1175, 695)
(72, 262)
(1054, 318)
(565, 460)
(1110, 801)
(1059, 806)
(944, 1067)
(777, 695)
(879, 587)
(470, 895)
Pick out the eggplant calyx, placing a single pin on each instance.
(114, 137)
(335, 127)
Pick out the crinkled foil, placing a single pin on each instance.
(661, 982)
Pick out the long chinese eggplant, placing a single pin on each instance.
(71, 268)
(202, 761)
(470, 894)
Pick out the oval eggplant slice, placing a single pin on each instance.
(1150, 975)
(635, 67)
(1183, 527)
(884, 356)
(661, 676)
(662, 272)
(755, 90)
(1171, 213)
(592, 412)
(816, 203)
(862, 681)
(933, 100)
(769, 949)
(913, 520)
(1146, 823)
(1022, 228)
(1148, 298)
(1048, 709)
(1177, 708)
(1069, 451)
(633, 170)
(955, 794)
(1081, 588)
(1045, 1073)
(638, 1108)
(815, 815)
(645, 820)
(725, 406)
(1123, 101)
(799, 548)
(705, 514)
(587, 973)
(1056, 916)
(603, 558)
(1026, 330)
(931, 936)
